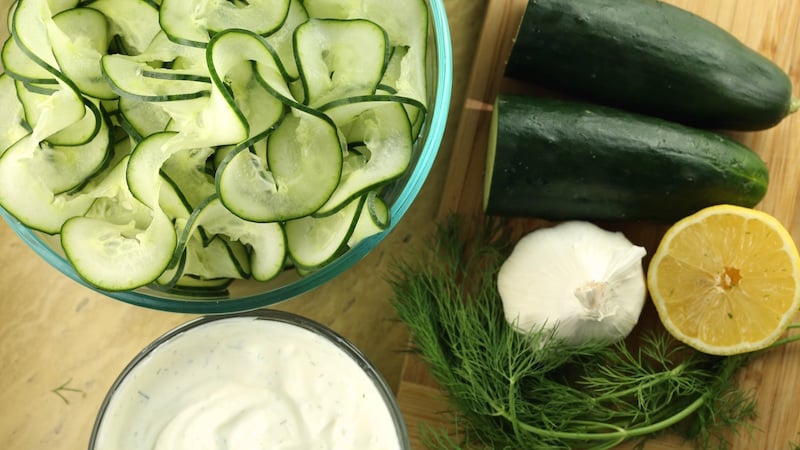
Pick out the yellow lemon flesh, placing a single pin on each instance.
(726, 280)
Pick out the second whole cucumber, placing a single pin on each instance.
(558, 160)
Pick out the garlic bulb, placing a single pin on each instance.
(585, 281)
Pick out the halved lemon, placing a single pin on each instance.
(726, 280)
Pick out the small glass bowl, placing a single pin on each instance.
(245, 295)
(147, 365)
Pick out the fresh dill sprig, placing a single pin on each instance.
(510, 390)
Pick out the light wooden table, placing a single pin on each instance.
(62, 345)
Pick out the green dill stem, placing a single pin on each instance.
(623, 434)
(787, 340)
(512, 404)
(784, 341)
(655, 379)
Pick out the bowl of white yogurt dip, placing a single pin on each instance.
(258, 380)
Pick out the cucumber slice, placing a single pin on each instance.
(194, 287)
(134, 21)
(378, 210)
(26, 196)
(47, 114)
(64, 168)
(339, 58)
(231, 59)
(11, 115)
(313, 242)
(259, 148)
(111, 107)
(187, 63)
(266, 241)
(114, 202)
(29, 28)
(304, 163)
(41, 88)
(219, 258)
(82, 131)
(240, 256)
(144, 167)
(119, 243)
(394, 70)
(384, 129)
(131, 78)
(392, 78)
(21, 67)
(282, 39)
(78, 39)
(406, 24)
(163, 52)
(212, 121)
(269, 69)
(261, 110)
(57, 6)
(145, 118)
(170, 277)
(118, 257)
(373, 218)
(224, 152)
(186, 170)
(207, 17)
(172, 201)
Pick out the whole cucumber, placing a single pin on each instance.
(558, 160)
(649, 57)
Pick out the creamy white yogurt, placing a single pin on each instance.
(247, 383)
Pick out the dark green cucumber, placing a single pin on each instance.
(558, 160)
(649, 57)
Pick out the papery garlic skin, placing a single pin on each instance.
(586, 282)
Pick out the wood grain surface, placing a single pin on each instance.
(770, 26)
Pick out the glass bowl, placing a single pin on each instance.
(217, 370)
(244, 295)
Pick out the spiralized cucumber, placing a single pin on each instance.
(186, 143)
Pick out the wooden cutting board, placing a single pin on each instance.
(770, 26)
